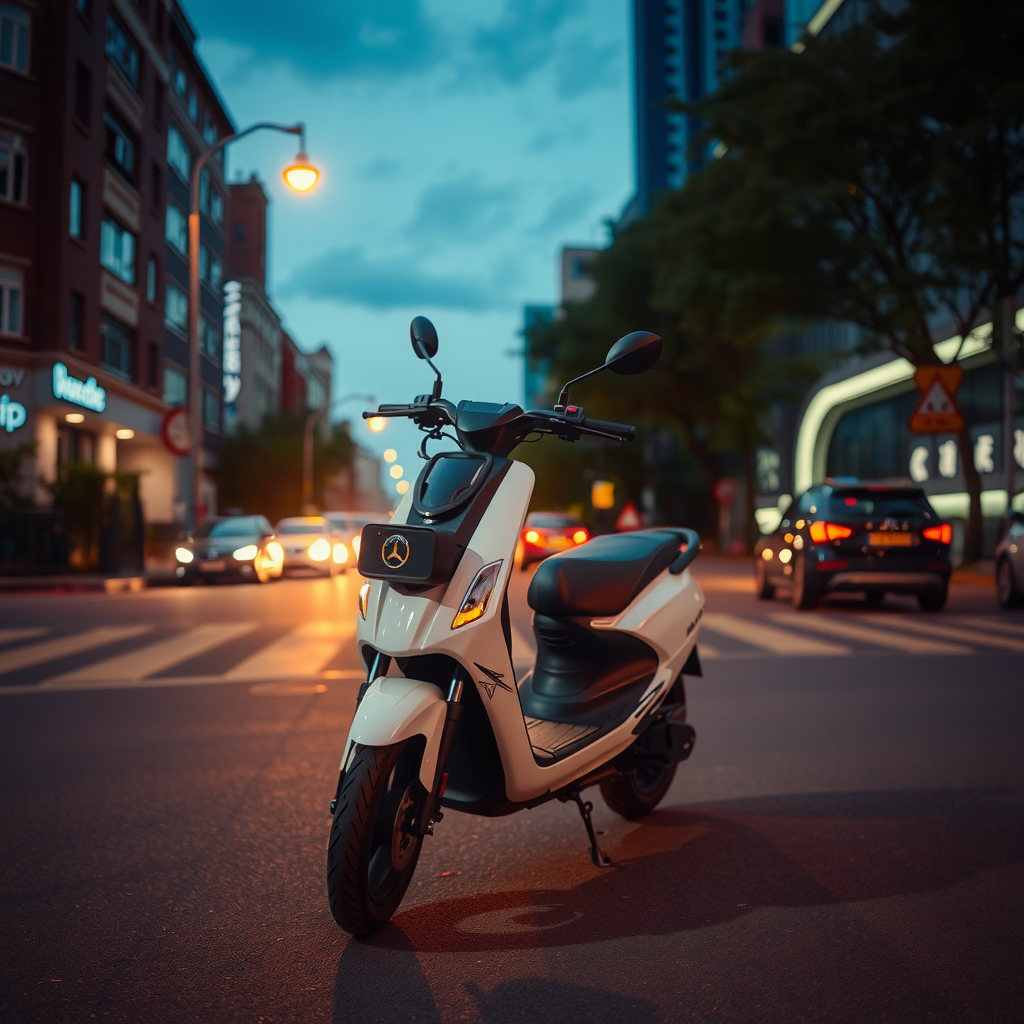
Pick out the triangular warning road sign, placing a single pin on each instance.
(936, 412)
(629, 518)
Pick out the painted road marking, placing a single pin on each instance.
(945, 632)
(153, 658)
(61, 647)
(299, 654)
(9, 636)
(778, 641)
(998, 625)
(848, 630)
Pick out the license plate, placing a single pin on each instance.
(891, 540)
(217, 566)
(558, 542)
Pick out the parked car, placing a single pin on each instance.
(230, 547)
(546, 533)
(1010, 562)
(311, 543)
(872, 538)
(349, 526)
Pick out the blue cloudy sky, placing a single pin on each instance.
(462, 143)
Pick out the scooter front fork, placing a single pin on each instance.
(428, 807)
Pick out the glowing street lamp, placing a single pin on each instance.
(376, 423)
(300, 176)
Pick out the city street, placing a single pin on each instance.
(844, 844)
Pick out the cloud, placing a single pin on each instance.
(323, 39)
(565, 209)
(350, 276)
(381, 169)
(462, 209)
(581, 66)
(548, 138)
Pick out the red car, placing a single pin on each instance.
(547, 533)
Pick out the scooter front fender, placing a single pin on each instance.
(395, 709)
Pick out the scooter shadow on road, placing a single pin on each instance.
(687, 869)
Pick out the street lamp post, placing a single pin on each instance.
(307, 445)
(300, 176)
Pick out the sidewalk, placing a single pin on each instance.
(85, 583)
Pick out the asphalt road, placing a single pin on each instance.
(845, 843)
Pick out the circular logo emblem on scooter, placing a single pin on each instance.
(395, 551)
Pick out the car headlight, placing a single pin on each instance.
(183, 555)
(340, 554)
(275, 552)
(364, 598)
(474, 604)
(320, 549)
(531, 536)
(245, 554)
(356, 541)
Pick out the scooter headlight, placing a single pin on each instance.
(364, 598)
(474, 604)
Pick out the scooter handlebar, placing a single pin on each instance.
(619, 430)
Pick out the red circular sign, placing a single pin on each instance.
(726, 491)
(176, 432)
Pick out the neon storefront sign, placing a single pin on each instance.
(12, 414)
(232, 341)
(86, 393)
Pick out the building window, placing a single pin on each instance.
(83, 94)
(76, 216)
(239, 228)
(193, 106)
(178, 155)
(120, 146)
(13, 168)
(76, 322)
(158, 97)
(211, 410)
(117, 250)
(156, 186)
(122, 51)
(151, 270)
(209, 131)
(11, 292)
(210, 270)
(177, 228)
(175, 387)
(118, 343)
(14, 26)
(180, 82)
(204, 192)
(176, 309)
(209, 338)
(216, 208)
(152, 365)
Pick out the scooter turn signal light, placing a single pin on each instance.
(821, 532)
(364, 598)
(943, 534)
(474, 604)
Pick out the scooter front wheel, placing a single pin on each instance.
(639, 792)
(371, 856)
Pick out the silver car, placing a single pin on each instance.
(349, 525)
(311, 543)
(1010, 562)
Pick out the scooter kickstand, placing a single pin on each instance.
(597, 855)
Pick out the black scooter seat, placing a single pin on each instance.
(603, 576)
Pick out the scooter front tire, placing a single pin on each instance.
(370, 857)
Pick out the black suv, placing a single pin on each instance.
(872, 538)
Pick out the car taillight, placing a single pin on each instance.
(821, 532)
(581, 536)
(531, 536)
(943, 534)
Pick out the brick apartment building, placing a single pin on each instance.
(103, 107)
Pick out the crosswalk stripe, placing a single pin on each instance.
(982, 622)
(946, 632)
(61, 647)
(856, 631)
(301, 653)
(9, 636)
(156, 657)
(778, 641)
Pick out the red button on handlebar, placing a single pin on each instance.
(573, 408)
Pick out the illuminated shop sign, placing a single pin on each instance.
(12, 414)
(86, 393)
(232, 341)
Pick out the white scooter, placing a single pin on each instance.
(441, 720)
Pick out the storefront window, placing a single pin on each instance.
(118, 346)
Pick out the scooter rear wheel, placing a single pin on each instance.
(639, 792)
(370, 855)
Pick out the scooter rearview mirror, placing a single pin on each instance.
(634, 353)
(424, 337)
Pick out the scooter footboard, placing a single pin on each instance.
(395, 709)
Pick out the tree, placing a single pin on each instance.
(261, 470)
(858, 185)
(12, 460)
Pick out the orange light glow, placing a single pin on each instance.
(302, 175)
(531, 536)
(376, 423)
(580, 536)
(943, 534)
(821, 532)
